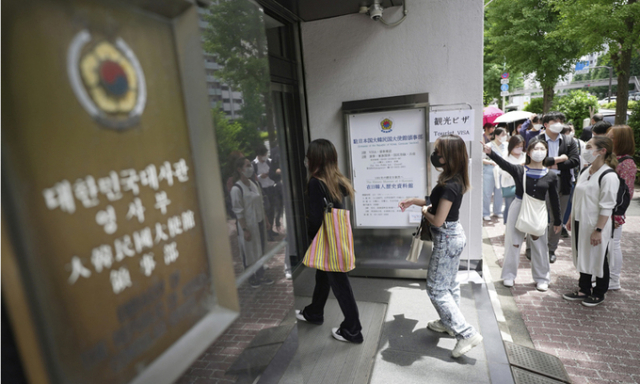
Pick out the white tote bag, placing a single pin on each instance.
(533, 216)
(416, 244)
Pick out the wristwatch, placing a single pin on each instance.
(598, 229)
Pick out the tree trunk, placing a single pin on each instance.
(547, 98)
(622, 97)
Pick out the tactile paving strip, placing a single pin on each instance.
(521, 376)
(537, 362)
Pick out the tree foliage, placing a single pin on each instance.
(235, 35)
(634, 122)
(575, 107)
(519, 31)
(599, 23)
(535, 105)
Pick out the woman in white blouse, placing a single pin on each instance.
(489, 187)
(246, 202)
(515, 149)
(594, 198)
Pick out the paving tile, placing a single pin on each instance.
(606, 336)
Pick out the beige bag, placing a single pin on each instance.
(417, 242)
(533, 218)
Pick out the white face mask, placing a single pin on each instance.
(537, 127)
(571, 134)
(248, 172)
(556, 128)
(517, 151)
(538, 155)
(589, 156)
(502, 139)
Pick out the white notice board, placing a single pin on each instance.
(452, 122)
(388, 164)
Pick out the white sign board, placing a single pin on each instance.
(388, 165)
(504, 93)
(453, 122)
(504, 81)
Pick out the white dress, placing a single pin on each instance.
(248, 205)
(502, 151)
(590, 200)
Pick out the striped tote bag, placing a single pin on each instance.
(332, 248)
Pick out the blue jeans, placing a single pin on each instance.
(442, 287)
(488, 189)
(507, 204)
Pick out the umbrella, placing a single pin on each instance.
(512, 116)
(489, 114)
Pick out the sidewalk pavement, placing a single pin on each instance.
(597, 345)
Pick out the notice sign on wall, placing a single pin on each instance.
(389, 164)
(453, 122)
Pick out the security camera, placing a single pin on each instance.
(375, 12)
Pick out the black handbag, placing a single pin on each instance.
(425, 230)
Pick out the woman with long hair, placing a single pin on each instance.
(624, 147)
(328, 184)
(594, 199)
(489, 185)
(515, 150)
(450, 155)
(246, 202)
(539, 183)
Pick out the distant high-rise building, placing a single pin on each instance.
(220, 94)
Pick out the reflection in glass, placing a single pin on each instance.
(251, 160)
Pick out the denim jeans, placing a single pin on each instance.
(442, 287)
(488, 189)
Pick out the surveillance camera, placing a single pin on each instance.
(375, 12)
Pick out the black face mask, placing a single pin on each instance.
(435, 160)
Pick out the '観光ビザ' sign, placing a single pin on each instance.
(101, 186)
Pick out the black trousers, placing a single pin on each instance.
(338, 282)
(602, 283)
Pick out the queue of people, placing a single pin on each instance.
(570, 176)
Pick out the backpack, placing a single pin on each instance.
(623, 198)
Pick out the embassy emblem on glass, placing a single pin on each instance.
(107, 80)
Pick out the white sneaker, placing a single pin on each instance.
(499, 215)
(542, 287)
(299, 316)
(336, 335)
(464, 345)
(287, 275)
(487, 218)
(437, 326)
(507, 283)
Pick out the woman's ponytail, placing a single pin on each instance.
(604, 142)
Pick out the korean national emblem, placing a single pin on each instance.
(386, 125)
(107, 79)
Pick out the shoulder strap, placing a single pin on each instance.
(606, 171)
(623, 158)
(584, 169)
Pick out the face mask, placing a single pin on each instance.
(517, 151)
(306, 162)
(435, 160)
(571, 134)
(537, 127)
(589, 156)
(502, 139)
(556, 128)
(538, 155)
(248, 172)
